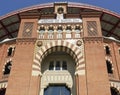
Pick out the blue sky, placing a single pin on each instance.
(7, 6)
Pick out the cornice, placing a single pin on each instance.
(109, 40)
(93, 39)
(26, 40)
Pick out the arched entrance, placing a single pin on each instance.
(48, 63)
(58, 68)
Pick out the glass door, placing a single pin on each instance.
(57, 90)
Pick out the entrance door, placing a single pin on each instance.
(57, 90)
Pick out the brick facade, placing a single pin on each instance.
(37, 44)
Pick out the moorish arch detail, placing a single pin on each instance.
(54, 46)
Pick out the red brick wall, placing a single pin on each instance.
(3, 55)
(114, 57)
(96, 72)
(20, 76)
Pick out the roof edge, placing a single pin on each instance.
(27, 9)
(70, 4)
(73, 4)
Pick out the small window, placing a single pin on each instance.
(50, 36)
(64, 65)
(109, 67)
(59, 35)
(41, 36)
(77, 35)
(114, 91)
(57, 67)
(68, 28)
(51, 29)
(51, 66)
(68, 35)
(7, 68)
(10, 51)
(107, 50)
(77, 29)
(59, 29)
(2, 91)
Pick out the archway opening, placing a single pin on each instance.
(58, 67)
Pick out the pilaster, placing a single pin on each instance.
(96, 71)
(21, 79)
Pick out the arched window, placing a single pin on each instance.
(59, 29)
(107, 49)
(68, 28)
(77, 28)
(57, 67)
(7, 68)
(114, 91)
(42, 29)
(109, 67)
(64, 65)
(50, 29)
(2, 91)
(51, 66)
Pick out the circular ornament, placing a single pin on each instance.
(39, 43)
(79, 43)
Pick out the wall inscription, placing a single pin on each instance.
(60, 21)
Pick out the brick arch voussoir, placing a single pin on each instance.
(61, 43)
(40, 54)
